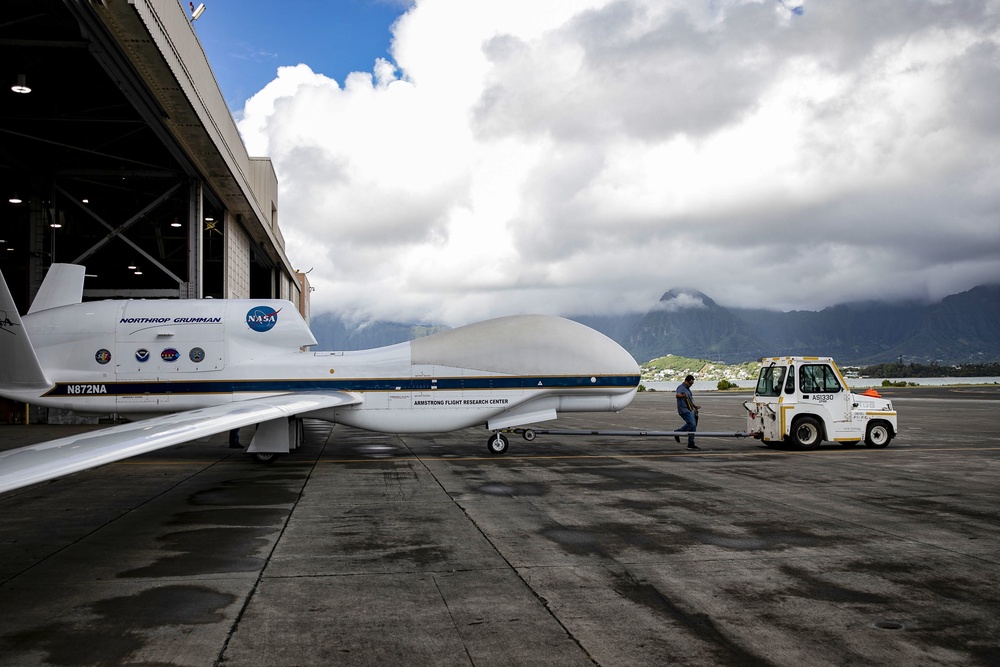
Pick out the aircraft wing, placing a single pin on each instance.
(47, 460)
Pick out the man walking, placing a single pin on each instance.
(688, 411)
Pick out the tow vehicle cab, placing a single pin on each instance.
(805, 400)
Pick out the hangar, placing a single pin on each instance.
(118, 152)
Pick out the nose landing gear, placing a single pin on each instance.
(497, 444)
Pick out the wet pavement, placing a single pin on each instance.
(369, 549)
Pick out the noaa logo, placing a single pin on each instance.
(262, 318)
(5, 323)
(170, 355)
(102, 356)
(142, 355)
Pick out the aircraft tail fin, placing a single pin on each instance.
(20, 370)
(63, 286)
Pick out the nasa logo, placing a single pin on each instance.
(142, 355)
(170, 355)
(103, 356)
(262, 318)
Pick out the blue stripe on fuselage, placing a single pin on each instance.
(382, 384)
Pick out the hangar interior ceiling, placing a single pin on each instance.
(88, 174)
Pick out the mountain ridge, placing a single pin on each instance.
(961, 328)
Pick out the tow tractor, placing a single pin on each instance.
(805, 401)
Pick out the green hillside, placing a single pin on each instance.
(673, 368)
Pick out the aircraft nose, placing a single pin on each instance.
(596, 353)
(625, 364)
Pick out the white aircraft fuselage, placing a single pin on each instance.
(192, 368)
(141, 358)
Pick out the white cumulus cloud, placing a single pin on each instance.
(584, 157)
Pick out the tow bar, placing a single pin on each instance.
(530, 434)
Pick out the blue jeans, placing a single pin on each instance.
(689, 424)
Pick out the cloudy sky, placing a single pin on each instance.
(447, 160)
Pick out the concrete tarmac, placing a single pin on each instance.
(371, 549)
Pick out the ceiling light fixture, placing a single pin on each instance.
(21, 86)
(15, 200)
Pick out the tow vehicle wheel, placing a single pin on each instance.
(806, 433)
(497, 444)
(878, 435)
(528, 434)
(264, 457)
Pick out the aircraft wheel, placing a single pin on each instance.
(266, 458)
(497, 444)
(529, 434)
(879, 434)
(807, 433)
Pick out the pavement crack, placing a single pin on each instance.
(454, 623)
(220, 658)
(541, 600)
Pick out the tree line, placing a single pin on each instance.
(932, 370)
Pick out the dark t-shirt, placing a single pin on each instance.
(685, 403)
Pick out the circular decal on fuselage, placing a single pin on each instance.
(103, 356)
(262, 318)
(142, 355)
(197, 355)
(170, 355)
